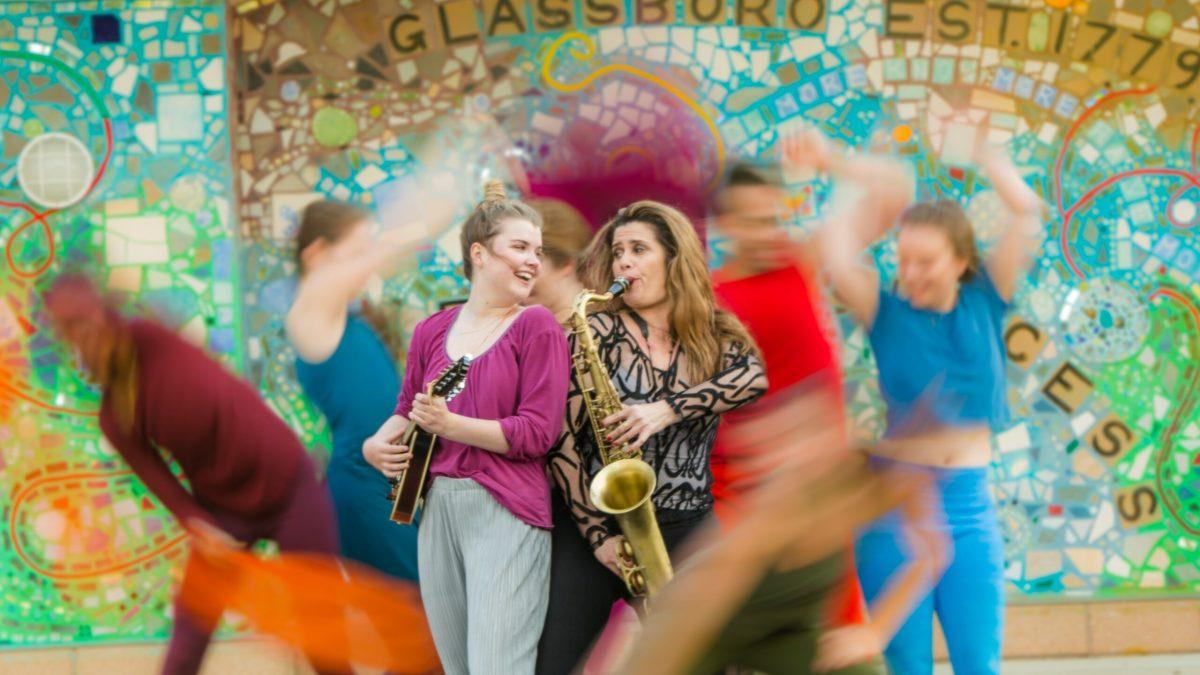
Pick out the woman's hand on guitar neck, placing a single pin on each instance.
(431, 413)
(386, 455)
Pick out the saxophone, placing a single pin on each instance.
(624, 486)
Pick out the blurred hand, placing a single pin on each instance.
(888, 187)
(210, 538)
(806, 150)
(847, 646)
(389, 457)
(1007, 181)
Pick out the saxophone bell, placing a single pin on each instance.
(623, 490)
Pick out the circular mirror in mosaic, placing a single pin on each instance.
(55, 170)
(1105, 320)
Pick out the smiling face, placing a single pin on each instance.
(929, 268)
(638, 255)
(510, 262)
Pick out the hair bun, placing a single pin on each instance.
(493, 191)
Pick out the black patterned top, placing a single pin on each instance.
(680, 453)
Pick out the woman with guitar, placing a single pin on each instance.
(484, 540)
(677, 362)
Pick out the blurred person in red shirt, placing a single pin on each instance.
(768, 282)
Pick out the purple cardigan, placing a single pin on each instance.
(521, 380)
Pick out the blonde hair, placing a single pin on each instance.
(701, 328)
(484, 222)
(565, 233)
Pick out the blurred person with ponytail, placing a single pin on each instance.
(248, 476)
(484, 540)
(346, 352)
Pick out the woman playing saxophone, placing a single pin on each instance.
(676, 363)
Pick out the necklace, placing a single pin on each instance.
(494, 327)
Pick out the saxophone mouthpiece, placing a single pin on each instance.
(619, 286)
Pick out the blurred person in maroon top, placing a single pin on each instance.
(163, 398)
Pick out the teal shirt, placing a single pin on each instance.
(356, 389)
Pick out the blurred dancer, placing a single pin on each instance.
(936, 335)
(767, 282)
(752, 595)
(677, 363)
(484, 540)
(778, 619)
(249, 476)
(346, 351)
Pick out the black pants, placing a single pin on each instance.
(582, 591)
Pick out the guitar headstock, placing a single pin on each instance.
(452, 379)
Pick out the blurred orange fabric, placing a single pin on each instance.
(334, 611)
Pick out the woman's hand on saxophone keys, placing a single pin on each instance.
(635, 424)
(609, 554)
(386, 455)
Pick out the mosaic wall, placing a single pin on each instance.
(1098, 479)
(116, 157)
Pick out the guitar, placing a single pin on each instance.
(408, 489)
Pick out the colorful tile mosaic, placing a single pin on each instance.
(1098, 479)
(115, 157)
(1099, 476)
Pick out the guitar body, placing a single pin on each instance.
(409, 487)
(415, 480)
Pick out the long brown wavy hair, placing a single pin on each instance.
(701, 328)
(330, 220)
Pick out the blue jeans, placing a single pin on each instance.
(969, 597)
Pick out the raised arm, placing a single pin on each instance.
(1018, 243)
(871, 193)
(317, 318)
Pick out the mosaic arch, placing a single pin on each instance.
(1099, 477)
